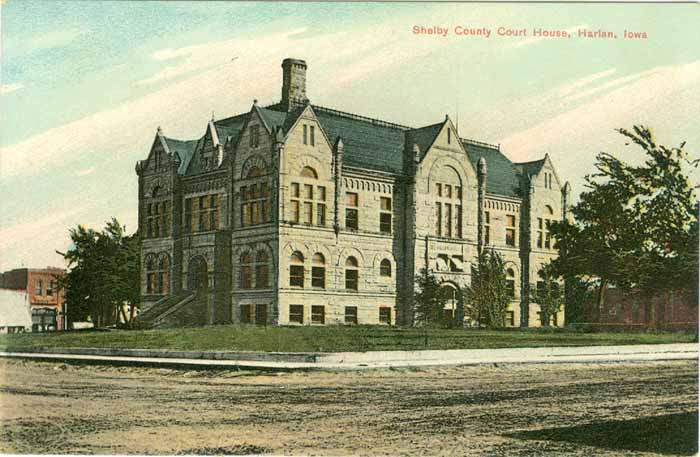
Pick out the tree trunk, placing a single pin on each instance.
(599, 301)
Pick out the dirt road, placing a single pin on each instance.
(611, 409)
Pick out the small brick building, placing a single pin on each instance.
(295, 213)
(45, 298)
(664, 311)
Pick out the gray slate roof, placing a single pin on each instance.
(185, 149)
(501, 173)
(372, 144)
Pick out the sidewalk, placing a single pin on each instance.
(365, 360)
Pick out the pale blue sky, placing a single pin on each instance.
(85, 84)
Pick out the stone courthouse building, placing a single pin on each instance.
(299, 214)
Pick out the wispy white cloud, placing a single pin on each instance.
(85, 171)
(663, 97)
(7, 88)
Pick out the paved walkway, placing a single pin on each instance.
(368, 360)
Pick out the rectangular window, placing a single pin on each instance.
(448, 191)
(448, 220)
(321, 195)
(351, 222)
(308, 192)
(510, 287)
(306, 128)
(321, 214)
(438, 189)
(487, 227)
(295, 190)
(510, 318)
(246, 314)
(295, 211)
(351, 315)
(458, 191)
(308, 213)
(385, 215)
(385, 223)
(39, 286)
(318, 277)
(261, 276)
(351, 279)
(547, 236)
(458, 221)
(50, 288)
(510, 230)
(261, 314)
(384, 315)
(296, 276)
(296, 314)
(438, 219)
(246, 277)
(539, 232)
(313, 136)
(318, 314)
(449, 136)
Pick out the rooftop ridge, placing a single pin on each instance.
(358, 117)
(481, 143)
(529, 161)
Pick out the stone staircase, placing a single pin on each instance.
(154, 315)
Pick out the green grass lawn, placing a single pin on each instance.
(328, 339)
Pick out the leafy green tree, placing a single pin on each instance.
(548, 293)
(488, 295)
(634, 226)
(103, 274)
(429, 299)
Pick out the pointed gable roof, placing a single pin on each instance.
(424, 137)
(502, 174)
(184, 149)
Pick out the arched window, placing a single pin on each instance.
(449, 311)
(544, 237)
(158, 215)
(385, 268)
(318, 271)
(262, 270)
(510, 282)
(447, 189)
(308, 172)
(308, 200)
(246, 276)
(163, 274)
(255, 198)
(151, 278)
(296, 270)
(351, 274)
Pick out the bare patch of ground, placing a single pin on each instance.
(609, 410)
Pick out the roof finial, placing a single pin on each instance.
(159, 130)
(255, 101)
(212, 116)
(447, 117)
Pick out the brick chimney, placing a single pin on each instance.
(293, 83)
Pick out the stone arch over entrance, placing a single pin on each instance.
(198, 275)
(451, 309)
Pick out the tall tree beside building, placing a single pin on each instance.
(103, 274)
(429, 299)
(488, 296)
(635, 226)
(548, 293)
